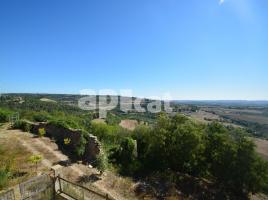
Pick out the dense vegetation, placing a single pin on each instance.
(221, 156)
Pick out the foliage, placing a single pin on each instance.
(80, 149)
(124, 155)
(23, 125)
(177, 136)
(4, 114)
(12, 156)
(41, 117)
(41, 132)
(101, 162)
(63, 123)
(67, 141)
(233, 162)
(4, 177)
(35, 159)
(109, 134)
(3, 117)
(112, 119)
(5, 170)
(223, 155)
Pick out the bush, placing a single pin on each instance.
(4, 177)
(41, 117)
(35, 159)
(101, 162)
(64, 123)
(41, 132)
(112, 119)
(67, 141)
(59, 123)
(109, 134)
(125, 156)
(80, 149)
(23, 125)
(4, 116)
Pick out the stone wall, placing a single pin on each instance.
(92, 147)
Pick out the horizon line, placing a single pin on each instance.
(203, 100)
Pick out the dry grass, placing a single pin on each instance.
(202, 115)
(207, 117)
(120, 187)
(262, 147)
(249, 115)
(14, 154)
(98, 121)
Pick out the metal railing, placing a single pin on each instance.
(79, 192)
(39, 187)
(8, 195)
(47, 187)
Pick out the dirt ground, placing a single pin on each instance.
(48, 100)
(129, 124)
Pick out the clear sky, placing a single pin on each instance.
(193, 49)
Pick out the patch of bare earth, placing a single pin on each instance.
(129, 124)
(48, 100)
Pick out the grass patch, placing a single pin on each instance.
(14, 167)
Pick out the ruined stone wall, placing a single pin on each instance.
(92, 147)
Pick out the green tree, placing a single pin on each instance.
(124, 156)
(233, 162)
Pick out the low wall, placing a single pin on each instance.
(39, 187)
(92, 146)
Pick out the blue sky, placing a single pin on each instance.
(194, 49)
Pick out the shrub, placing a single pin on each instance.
(67, 141)
(4, 176)
(35, 159)
(64, 123)
(23, 125)
(80, 149)
(41, 132)
(41, 117)
(4, 116)
(101, 162)
(5, 171)
(59, 123)
(109, 134)
(124, 155)
(112, 119)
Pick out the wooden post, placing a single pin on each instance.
(60, 183)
